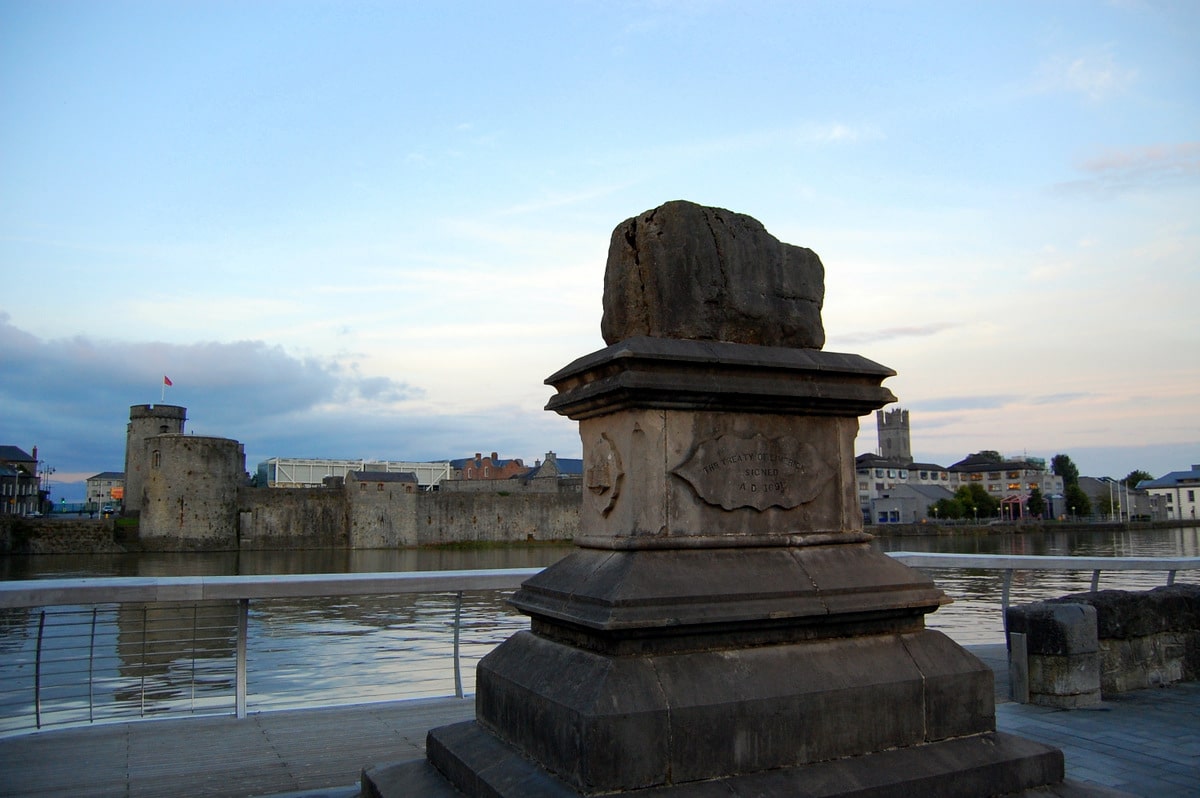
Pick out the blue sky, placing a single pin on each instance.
(373, 229)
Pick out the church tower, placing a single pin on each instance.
(894, 442)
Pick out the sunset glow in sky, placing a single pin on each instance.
(372, 229)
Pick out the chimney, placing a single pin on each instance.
(495, 457)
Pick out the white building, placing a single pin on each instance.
(1175, 494)
(287, 472)
(106, 489)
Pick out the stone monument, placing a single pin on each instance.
(724, 626)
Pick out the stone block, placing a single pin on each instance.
(1053, 628)
(1063, 652)
(1064, 681)
(683, 270)
(736, 594)
(604, 723)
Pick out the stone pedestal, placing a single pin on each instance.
(725, 627)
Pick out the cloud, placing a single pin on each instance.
(70, 397)
(1095, 75)
(892, 333)
(1159, 165)
(954, 403)
(1059, 398)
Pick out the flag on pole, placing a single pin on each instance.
(167, 381)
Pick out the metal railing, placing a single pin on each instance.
(184, 644)
(137, 647)
(1009, 563)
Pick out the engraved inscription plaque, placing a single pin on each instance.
(733, 471)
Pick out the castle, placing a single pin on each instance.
(192, 492)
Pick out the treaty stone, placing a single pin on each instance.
(692, 272)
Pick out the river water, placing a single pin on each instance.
(114, 663)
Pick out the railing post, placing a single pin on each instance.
(1170, 578)
(91, 669)
(239, 679)
(37, 672)
(1005, 591)
(142, 669)
(1095, 580)
(458, 688)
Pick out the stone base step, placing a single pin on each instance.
(983, 765)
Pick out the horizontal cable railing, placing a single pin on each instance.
(1008, 563)
(108, 649)
(105, 649)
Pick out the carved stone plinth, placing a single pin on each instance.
(725, 628)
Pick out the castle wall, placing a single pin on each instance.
(190, 494)
(382, 519)
(492, 517)
(291, 518)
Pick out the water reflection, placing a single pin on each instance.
(258, 563)
(135, 660)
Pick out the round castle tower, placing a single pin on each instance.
(144, 422)
(190, 492)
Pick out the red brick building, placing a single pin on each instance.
(480, 467)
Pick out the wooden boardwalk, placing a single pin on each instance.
(1147, 743)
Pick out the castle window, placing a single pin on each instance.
(362, 486)
(380, 486)
(156, 459)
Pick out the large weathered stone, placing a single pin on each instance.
(1063, 652)
(684, 270)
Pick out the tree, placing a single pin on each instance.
(1134, 477)
(1037, 503)
(947, 509)
(1077, 501)
(989, 456)
(1062, 466)
(976, 502)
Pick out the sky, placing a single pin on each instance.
(373, 229)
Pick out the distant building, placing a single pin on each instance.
(1175, 493)
(296, 472)
(361, 482)
(493, 467)
(19, 484)
(1011, 482)
(892, 488)
(105, 488)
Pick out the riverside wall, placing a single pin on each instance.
(322, 518)
(277, 519)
